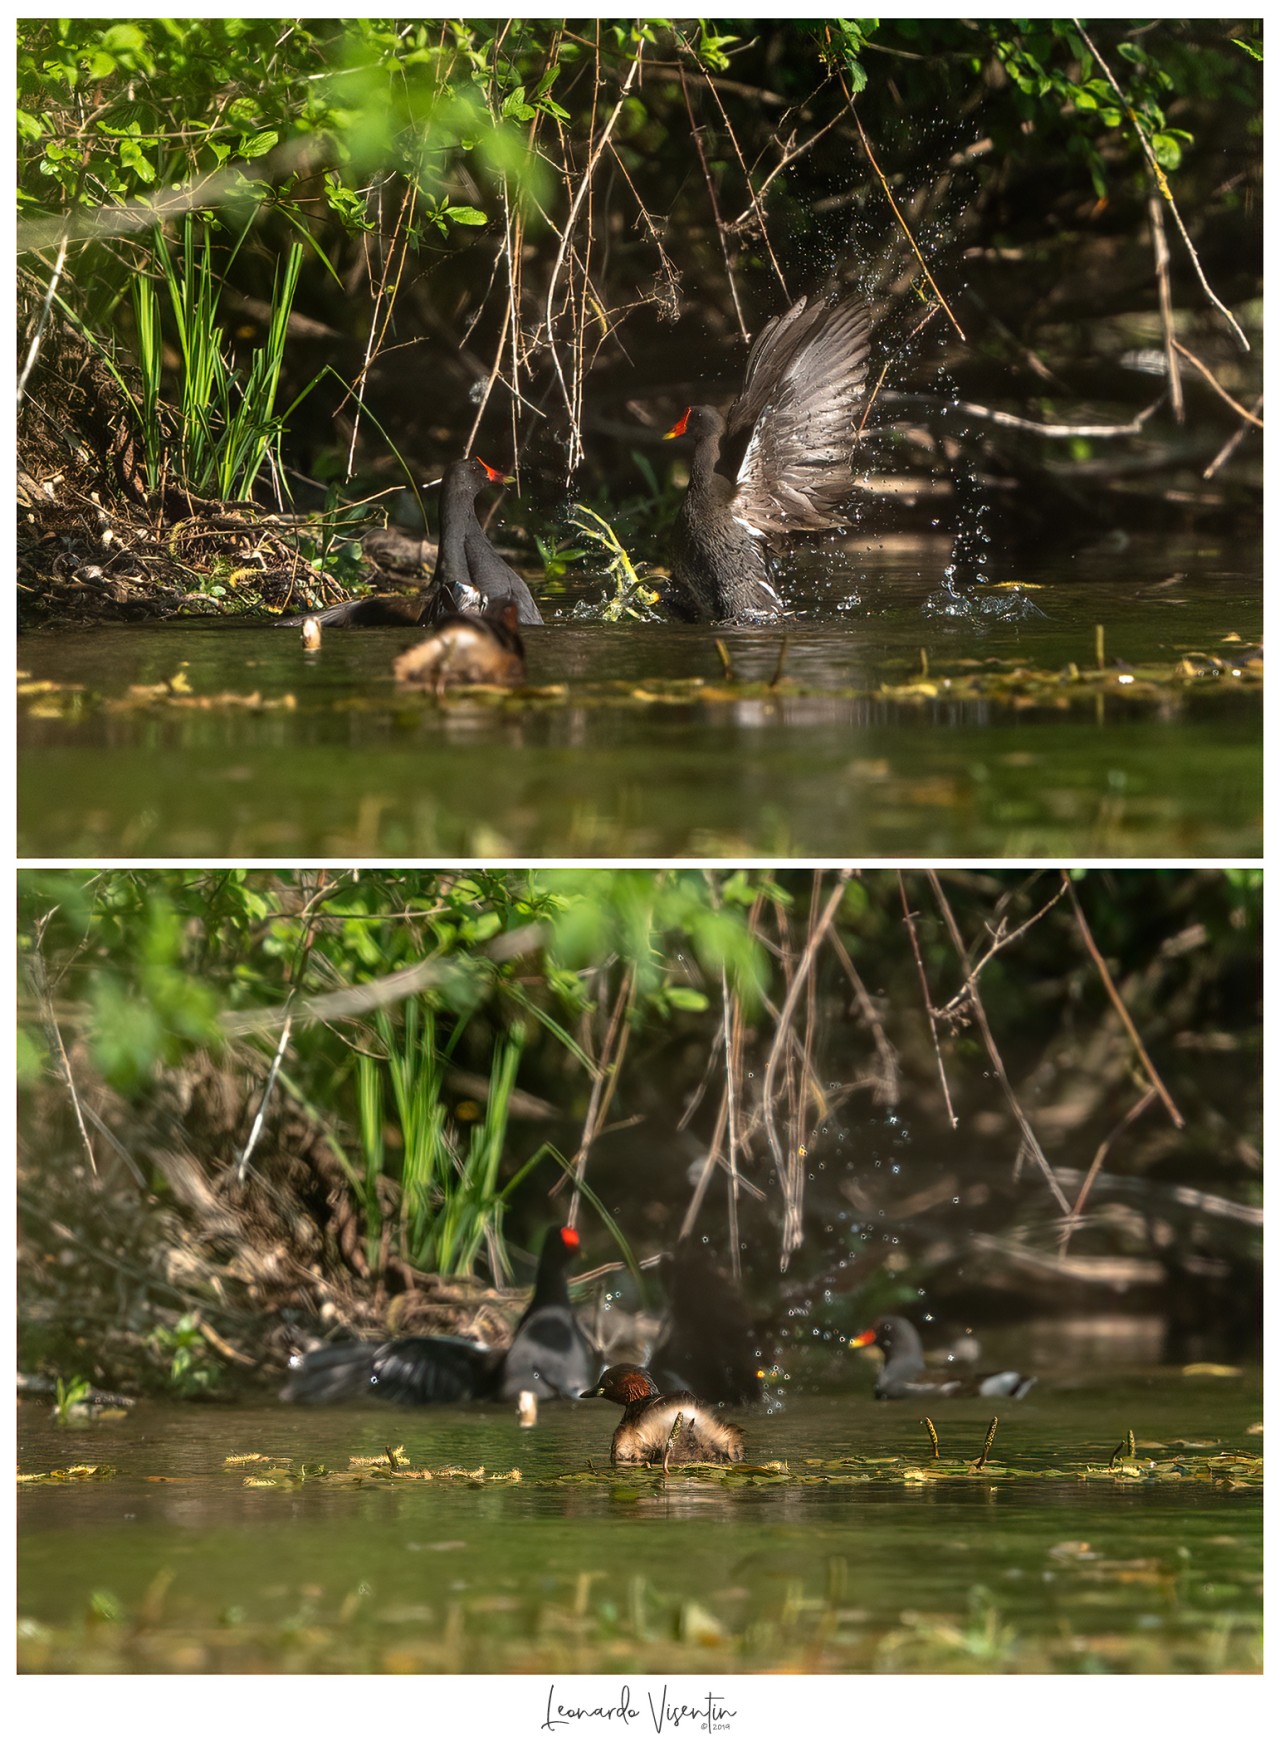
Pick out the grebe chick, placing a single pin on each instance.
(466, 649)
(648, 1418)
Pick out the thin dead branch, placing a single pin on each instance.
(1117, 1001)
(1162, 183)
(787, 1161)
(909, 917)
(1029, 1137)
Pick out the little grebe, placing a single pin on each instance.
(644, 1433)
(466, 649)
(903, 1373)
(549, 1355)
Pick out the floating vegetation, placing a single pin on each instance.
(1205, 1464)
(1014, 684)
(70, 1476)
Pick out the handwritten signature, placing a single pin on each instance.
(711, 1713)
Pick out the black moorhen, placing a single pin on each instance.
(788, 447)
(707, 1344)
(466, 649)
(903, 1372)
(468, 574)
(549, 1354)
(644, 1432)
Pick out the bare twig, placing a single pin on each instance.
(787, 1166)
(1165, 297)
(887, 1088)
(1162, 184)
(1184, 352)
(909, 916)
(242, 1163)
(1117, 1001)
(40, 983)
(1029, 1138)
(575, 441)
(605, 1085)
(1229, 448)
(1002, 940)
(756, 207)
(906, 229)
(784, 163)
(1073, 1219)
(721, 230)
(51, 291)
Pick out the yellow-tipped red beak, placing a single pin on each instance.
(680, 426)
(866, 1339)
(496, 474)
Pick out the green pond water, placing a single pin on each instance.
(830, 1565)
(606, 765)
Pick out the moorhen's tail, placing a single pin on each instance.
(1014, 1383)
(330, 1373)
(370, 609)
(799, 411)
(412, 1371)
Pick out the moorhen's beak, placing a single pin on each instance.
(680, 426)
(496, 475)
(866, 1339)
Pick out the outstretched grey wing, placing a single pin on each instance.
(805, 385)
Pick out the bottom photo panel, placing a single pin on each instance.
(633, 1279)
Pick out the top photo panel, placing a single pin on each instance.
(659, 438)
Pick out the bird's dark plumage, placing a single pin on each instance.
(469, 576)
(707, 1343)
(549, 1353)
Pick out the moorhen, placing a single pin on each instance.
(787, 447)
(644, 1432)
(707, 1344)
(466, 649)
(549, 1354)
(468, 574)
(903, 1372)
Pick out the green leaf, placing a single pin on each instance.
(257, 145)
(466, 215)
(689, 1000)
(124, 39)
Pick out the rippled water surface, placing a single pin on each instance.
(606, 766)
(177, 1564)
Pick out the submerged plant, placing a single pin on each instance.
(68, 1396)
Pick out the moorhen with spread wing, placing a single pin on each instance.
(903, 1372)
(549, 1354)
(468, 575)
(645, 1431)
(787, 447)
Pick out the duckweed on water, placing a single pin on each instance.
(1202, 1463)
(995, 680)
